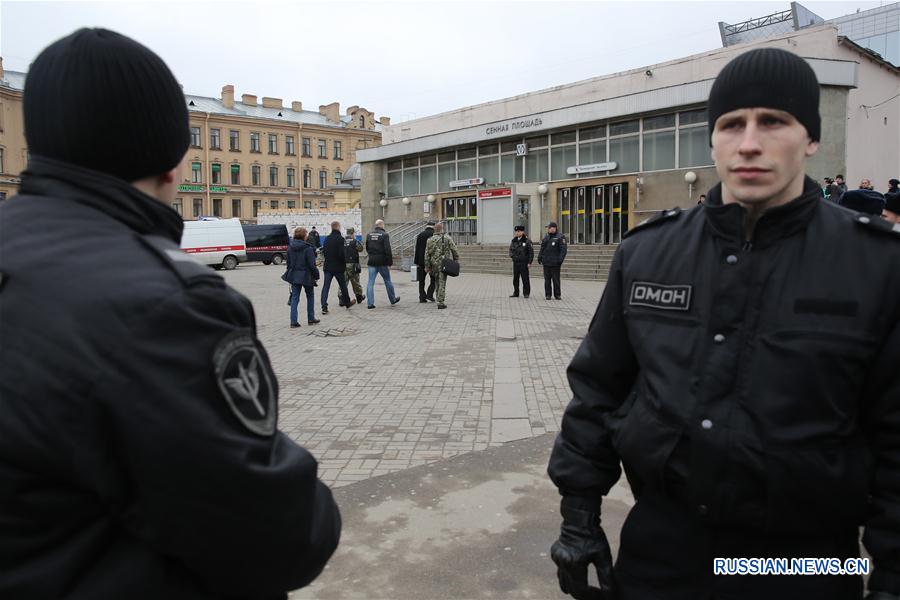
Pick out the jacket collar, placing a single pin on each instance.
(110, 195)
(727, 220)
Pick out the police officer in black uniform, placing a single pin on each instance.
(139, 449)
(551, 256)
(521, 251)
(742, 367)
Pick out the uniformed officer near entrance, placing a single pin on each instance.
(521, 251)
(742, 368)
(551, 256)
(139, 450)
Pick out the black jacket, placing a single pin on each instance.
(756, 382)
(553, 250)
(352, 248)
(864, 201)
(313, 239)
(521, 250)
(421, 242)
(138, 451)
(378, 247)
(301, 263)
(333, 249)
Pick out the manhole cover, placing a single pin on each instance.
(333, 332)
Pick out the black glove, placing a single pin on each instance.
(581, 543)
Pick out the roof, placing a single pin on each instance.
(203, 104)
(870, 54)
(354, 172)
(13, 79)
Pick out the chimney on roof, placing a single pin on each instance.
(228, 96)
(385, 121)
(248, 99)
(332, 112)
(272, 102)
(296, 106)
(351, 110)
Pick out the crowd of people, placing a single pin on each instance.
(865, 198)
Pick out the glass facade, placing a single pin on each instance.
(651, 143)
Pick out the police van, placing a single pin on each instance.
(266, 243)
(218, 243)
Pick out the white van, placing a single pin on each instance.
(217, 242)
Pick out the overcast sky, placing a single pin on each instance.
(399, 59)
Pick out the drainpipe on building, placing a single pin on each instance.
(299, 142)
(208, 166)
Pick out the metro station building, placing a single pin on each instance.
(599, 156)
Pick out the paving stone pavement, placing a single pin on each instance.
(371, 392)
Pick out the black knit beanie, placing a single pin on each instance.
(768, 78)
(100, 100)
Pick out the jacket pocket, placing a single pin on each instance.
(643, 440)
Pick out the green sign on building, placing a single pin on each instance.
(200, 188)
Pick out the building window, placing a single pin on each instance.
(337, 151)
(273, 143)
(362, 121)
(176, 206)
(216, 173)
(307, 178)
(254, 142)
(236, 207)
(323, 203)
(624, 146)
(338, 177)
(273, 176)
(289, 145)
(292, 204)
(290, 177)
(411, 176)
(307, 204)
(196, 173)
(235, 174)
(658, 143)
(257, 204)
(2, 167)
(693, 139)
(214, 141)
(234, 140)
(198, 207)
(323, 179)
(562, 154)
(3, 196)
(217, 207)
(322, 151)
(592, 146)
(273, 204)
(255, 175)
(195, 137)
(307, 149)
(488, 166)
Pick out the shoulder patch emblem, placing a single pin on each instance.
(246, 382)
(662, 216)
(878, 224)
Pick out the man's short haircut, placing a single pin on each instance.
(300, 233)
(379, 223)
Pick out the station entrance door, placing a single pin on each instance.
(461, 216)
(593, 214)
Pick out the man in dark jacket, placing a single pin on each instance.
(139, 449)
(552, 254)
(352, 248)
(334, 266)
(301, 273)
(313, 239)
(421, 242)
(863, 200)
(742, 367)
(521, 251)
(378, 247)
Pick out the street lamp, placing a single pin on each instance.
(690, 177)
(429, 203)
(406, 204)
(542, 190)
(383, 203)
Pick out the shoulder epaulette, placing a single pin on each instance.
(874, 223)
(663, 216)
(187, 269)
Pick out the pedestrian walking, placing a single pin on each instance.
(301, 273)
(741, 367)
(352, 248)
(419, 259)
(314, 239)
(440, 246)
(521, 251)
(378, 247)
(551, 256)
(139, 444)
(334, 266)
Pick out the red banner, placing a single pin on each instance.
(498, 193)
